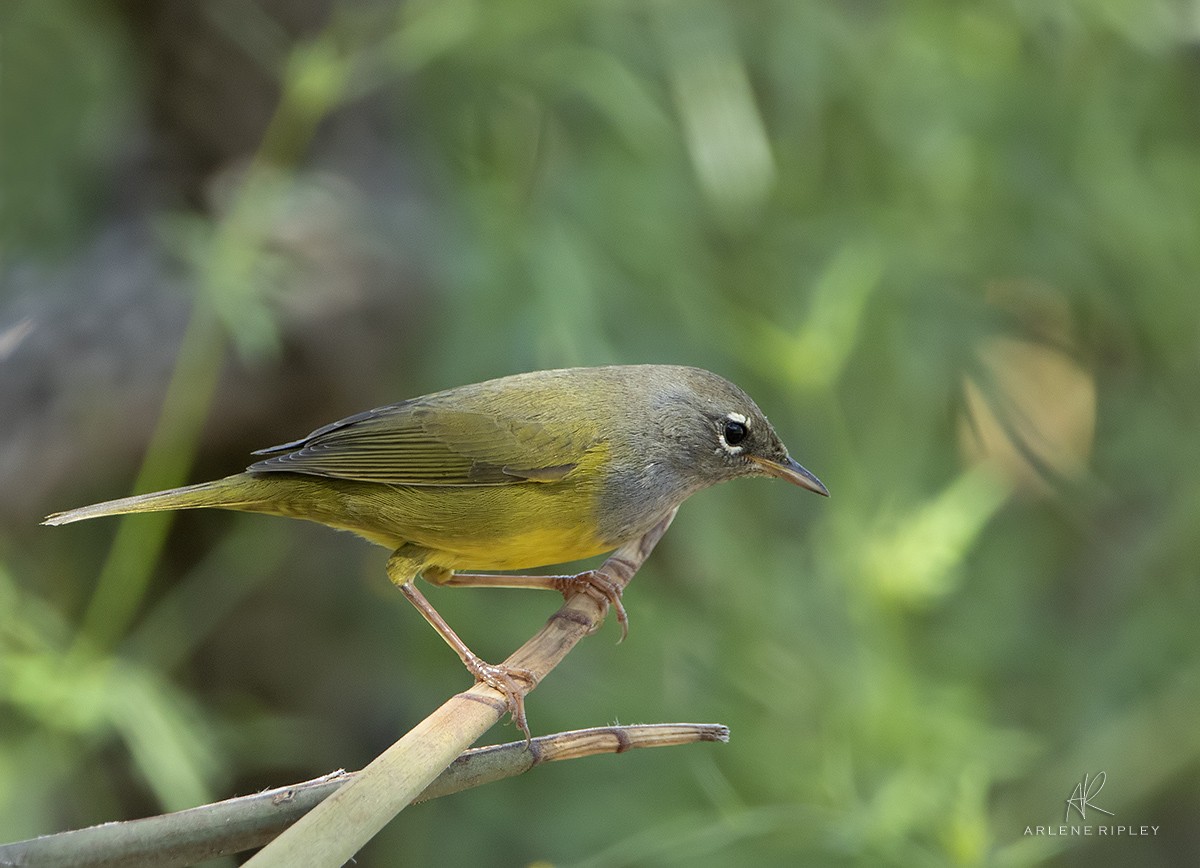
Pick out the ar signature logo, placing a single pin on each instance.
(1081, 798)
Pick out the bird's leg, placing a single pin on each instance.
(605, 583)
(599, 584)
(502, 678)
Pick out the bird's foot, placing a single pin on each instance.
(504, 680)
(601, 587)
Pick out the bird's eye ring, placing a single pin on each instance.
(735, 432)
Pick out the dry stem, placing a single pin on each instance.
(231, 826)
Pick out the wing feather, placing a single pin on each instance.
(426, 442)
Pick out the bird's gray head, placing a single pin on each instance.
(717, 432)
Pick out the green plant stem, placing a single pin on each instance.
(138, 544)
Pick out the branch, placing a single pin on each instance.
(331, 833)
(223, 828)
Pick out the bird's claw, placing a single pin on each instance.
(504, 680)
(601, 587)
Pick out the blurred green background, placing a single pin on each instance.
(951, 248)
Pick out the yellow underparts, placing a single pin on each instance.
(479, 528)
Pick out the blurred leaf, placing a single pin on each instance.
(165, 735)
(813, 356)
(722, 126)
(921, 558)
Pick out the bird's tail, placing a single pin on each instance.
(226, 493)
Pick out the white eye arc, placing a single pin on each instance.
(736, 428)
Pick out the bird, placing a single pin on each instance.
(514, 473)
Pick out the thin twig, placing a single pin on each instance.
(336, 829)
(231, 826)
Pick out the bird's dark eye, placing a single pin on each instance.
(735, 432)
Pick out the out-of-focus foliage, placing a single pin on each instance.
(951, 248)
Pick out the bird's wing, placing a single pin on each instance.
(427, 443)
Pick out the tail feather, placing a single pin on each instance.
(218, 493)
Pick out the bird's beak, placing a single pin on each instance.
(792, 472)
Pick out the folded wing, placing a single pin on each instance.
(428, 443)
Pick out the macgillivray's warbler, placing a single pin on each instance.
(519, 472)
